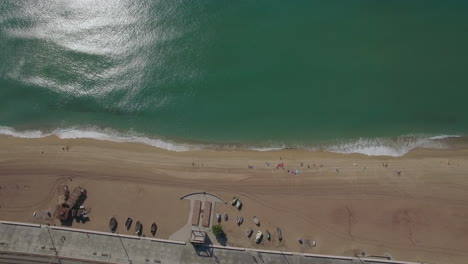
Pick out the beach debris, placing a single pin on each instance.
(218, 217)
(84, 217)
(249, 232)
(225, 216)
(238, 204)
(278, 233)
(398, 172)
(234, 200)
(138, 228)
(268, 235)
(239, 220)
(128, 223)
(112, 225)
(256, 221)
(45, 214)
(300, 241)
(81, 214)
(280, 165)
(154, 227)
(258, 237)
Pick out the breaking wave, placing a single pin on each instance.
(99, 134)
(394, 147)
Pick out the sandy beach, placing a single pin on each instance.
(346, 203)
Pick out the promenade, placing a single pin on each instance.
(30, 243)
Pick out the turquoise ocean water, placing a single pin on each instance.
(376, 77)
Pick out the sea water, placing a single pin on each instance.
(374, 77)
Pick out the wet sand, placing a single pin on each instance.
(420, 215)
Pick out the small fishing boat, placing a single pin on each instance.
(267, 234)
(238, 204)
(112, 225)
(256, 221)
(225, 216)
(153, 228)
(128, 223)
(278, 233)
(138, 228)
(218, 217)
(249, 232)
(234, 200)
(239, 220)
(258, 237)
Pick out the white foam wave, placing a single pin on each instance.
(444, 137)
(394, 147)
(388, 146)
(8, 131)
(268, 148)
(98, 134)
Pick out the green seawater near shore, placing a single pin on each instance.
(230, 72)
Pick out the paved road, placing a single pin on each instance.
(48, 245)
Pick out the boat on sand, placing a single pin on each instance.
(128, 223)
(258, 237)
(249, 232)
(154, 227)
(278, 233)
(138, 227)
(238, 204)
(256, 221)
(112, 224)
(234, 200)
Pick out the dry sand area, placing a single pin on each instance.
(420, 215)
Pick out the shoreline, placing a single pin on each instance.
(377, 146)
(349, 203)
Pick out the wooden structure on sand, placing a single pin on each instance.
(74, 196)
(206, 214)
(67, 201)
(196, 213)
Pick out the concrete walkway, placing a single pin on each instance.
(68, 245)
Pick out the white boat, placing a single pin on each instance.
(256, 221)
(258, 237)
(249, 232)
(239, 204)
(234, 200)
(239, 220)
(278, 233)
